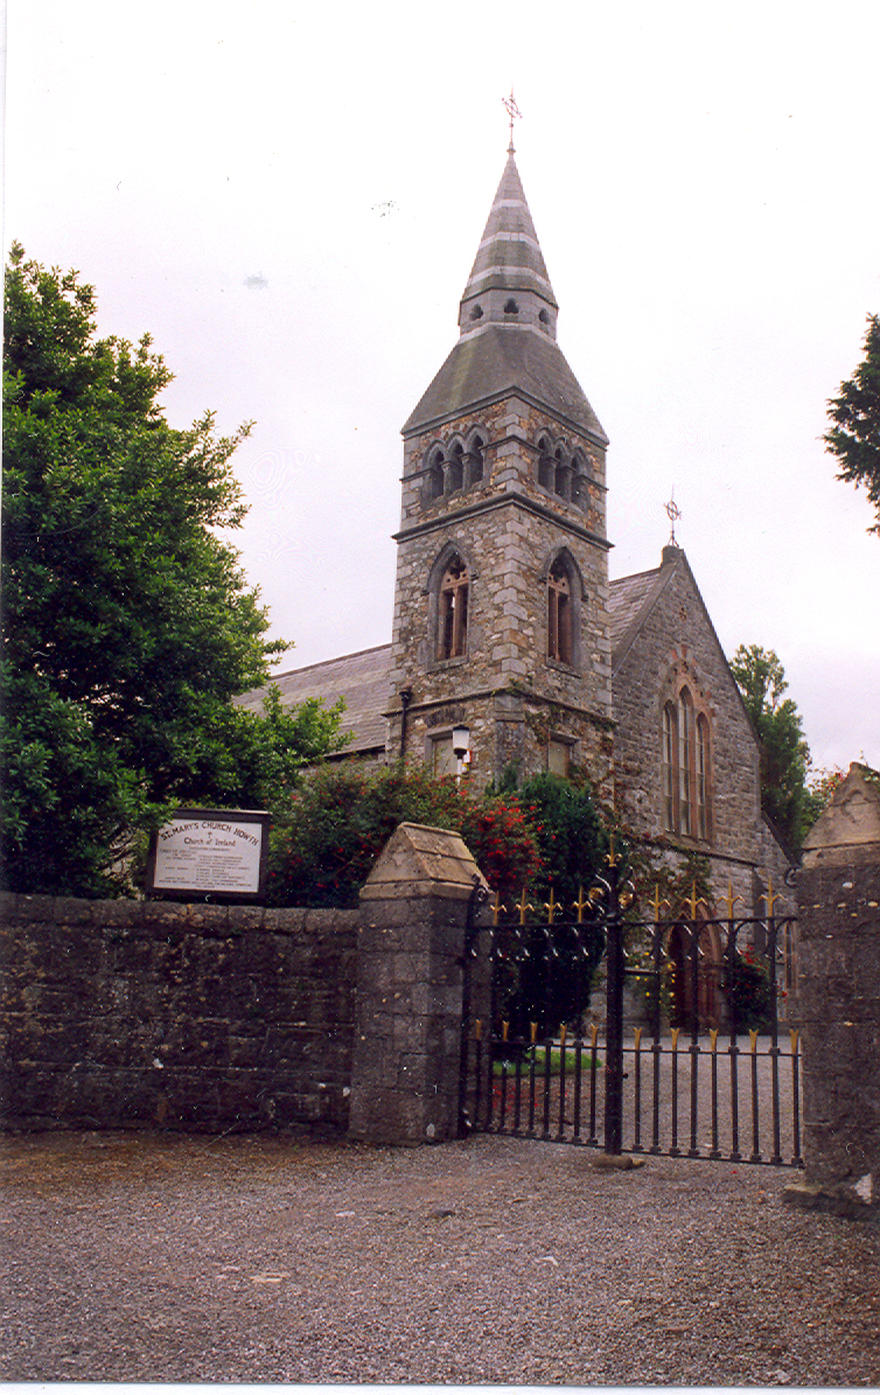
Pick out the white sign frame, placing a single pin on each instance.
(210, 854)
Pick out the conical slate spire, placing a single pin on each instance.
(508, 283)
(508, 328)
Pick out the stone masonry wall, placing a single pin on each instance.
(643, 679)
(838, 1009)
(837, 1000)
(120, 1013)
(506, 526)
(413, 961)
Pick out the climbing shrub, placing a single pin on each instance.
(336, 823)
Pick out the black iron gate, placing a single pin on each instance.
(680, 1054)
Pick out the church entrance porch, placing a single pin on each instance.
(655, 1077)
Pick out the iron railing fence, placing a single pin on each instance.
(709, 1098)
(703, 1072)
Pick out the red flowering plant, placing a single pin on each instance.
(327, 839)
(746, 985)
(503, 841)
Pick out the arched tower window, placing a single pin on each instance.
(701, 786)
(434, 485)
(546, 464)
(453, 610)
(578, 481)
(455, 468)
(475, 461)
(562, 478)
(559, 614)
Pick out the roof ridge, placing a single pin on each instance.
(322, 663)
(661, 581)
(634, 576)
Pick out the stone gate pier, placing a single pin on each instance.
(838, 1001)
(418, 907)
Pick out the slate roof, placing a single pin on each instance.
(509, 256)
(628, 598)
(493, 363)
(497, 356)
(361, 680)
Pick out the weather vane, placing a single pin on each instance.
(513, 113)
(673, 513)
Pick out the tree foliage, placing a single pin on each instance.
(548, 834)
(785, 754)
(550, 989)
(339, 818)
(571, 834)
(128, 625)
(854, 437)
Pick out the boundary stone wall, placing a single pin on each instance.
(416, 908)
(838, 1002)
(158, 1014)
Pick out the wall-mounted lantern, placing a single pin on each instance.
(461, 747)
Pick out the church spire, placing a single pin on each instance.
(507, 321)
(508, 283)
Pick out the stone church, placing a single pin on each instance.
(505, 621)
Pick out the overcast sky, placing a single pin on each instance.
(289, 198)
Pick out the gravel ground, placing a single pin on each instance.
(135, 1257)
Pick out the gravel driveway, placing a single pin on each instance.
(138, 1257)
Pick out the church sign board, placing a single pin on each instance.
(210, 854)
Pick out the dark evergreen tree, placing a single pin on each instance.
(785, 755)
(854, 437)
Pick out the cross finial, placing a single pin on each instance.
(514, 114)
(673, 513)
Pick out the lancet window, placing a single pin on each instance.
(559, 616)
(453, 610)
(453, 466)
(562, 472)
(476, 463)
(686, 768)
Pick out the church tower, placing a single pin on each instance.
(500, 613)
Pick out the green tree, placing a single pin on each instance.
(571, 834)
(854, 437)
(128, 625)
(552, 981)
(339, 818)
(785, 755)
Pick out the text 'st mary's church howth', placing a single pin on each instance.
(504, 616)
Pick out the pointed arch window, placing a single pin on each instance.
(559, 616)
(453, 610)
(435, 475)
(562, 477)
(546, 464)
(449, 467)
(475, 464)
(456, 468)
(685, 761)
(686, 768)
(670, 765)
(701, 788)
(579, 493)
